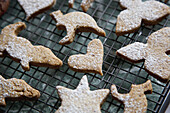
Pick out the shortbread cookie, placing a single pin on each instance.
(21, 50)
(91, 62)
(75, 22)
(149, 12)
(85, 4)
(16, 89)
(35, 7)
(157, 62)
(135, 101)
(81, 100)
(3, 6)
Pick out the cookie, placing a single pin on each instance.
(157, 62)
(148, 12)
(21, 50)
(3, 6)
(91, 61)
(135, 101)
(85, 4)
(16, 89)
(35, 7)
(81, 99)
(75, 22)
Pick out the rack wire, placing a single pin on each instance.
(42, 31)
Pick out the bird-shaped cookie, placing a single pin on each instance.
(16, 89)
(148, 12)
(21, 50)
(75, 22)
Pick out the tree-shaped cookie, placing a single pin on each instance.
(81, 100)
(35, 7)
(90, 62)
(21, 50)
(135, 101)
(149, 12)
(75, 22)
(157, 62)
(85, 4)
(16, 89)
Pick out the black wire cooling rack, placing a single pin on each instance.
(42, 31)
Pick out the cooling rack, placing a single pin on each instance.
(42, 31)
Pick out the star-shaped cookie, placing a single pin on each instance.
(81, 100)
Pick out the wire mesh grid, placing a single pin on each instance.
(42, 31)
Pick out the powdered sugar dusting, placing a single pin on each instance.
(156, 60)
(135, 51)
(137, 10)
(33, 6)
(92, 61)
(15, 88)
(135, 101)
(76, 21)
(81, 100)
(85, 4)
(71, 1)
(21, 49)
(17, 47)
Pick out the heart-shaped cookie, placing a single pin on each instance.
(35, 7)
(90, 62)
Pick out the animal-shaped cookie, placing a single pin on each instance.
(135, 101)
(81, 100)
(75, 22)
(148, 12)
(35, 7)
(85, 4)
(157, 62)
(16, 89)
(90, 62)
(21, 50)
